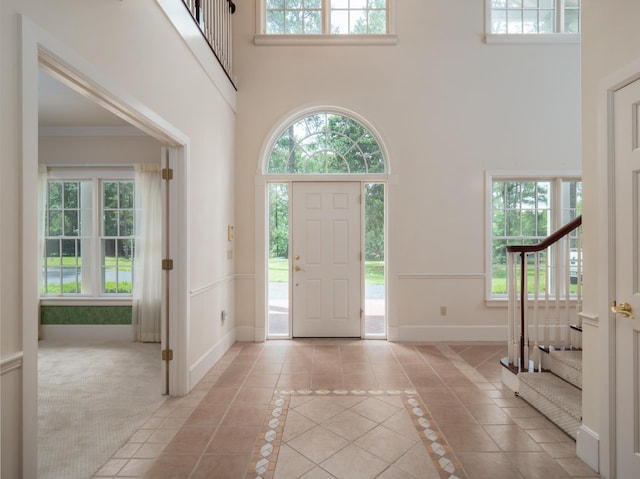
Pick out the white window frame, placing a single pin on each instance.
(556, 209)
(558, 37)
(263, 38)
(96, 177)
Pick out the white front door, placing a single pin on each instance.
(627, 290)
(326, 259)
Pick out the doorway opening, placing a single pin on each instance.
(317, 152)
(41, 53)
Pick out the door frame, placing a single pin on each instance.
(605, 320)
(262, 237)
(41, 50)
(258, 332)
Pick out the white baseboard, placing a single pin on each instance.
(588, 446)
(202, 366)
(121, 332)
(510, 380)
(448, 333)
(245, 333)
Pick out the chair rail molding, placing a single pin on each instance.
(10, 362)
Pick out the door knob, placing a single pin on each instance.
(623, 309)
(298, 268)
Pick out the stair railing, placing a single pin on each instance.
(544, 288)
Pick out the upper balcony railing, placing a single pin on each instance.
(214, 19)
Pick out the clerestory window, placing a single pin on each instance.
(533, 18)
(336, 17)
(325, 21)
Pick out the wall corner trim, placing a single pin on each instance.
(10, 362)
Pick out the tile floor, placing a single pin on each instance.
(317, 409)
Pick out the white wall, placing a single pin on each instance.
(610, 42)
(448, 107)
(98, 150)
(130, 45)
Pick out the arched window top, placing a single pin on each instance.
(326, 143)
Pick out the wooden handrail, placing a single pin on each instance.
(549, 240)
(542, 245)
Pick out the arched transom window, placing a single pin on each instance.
(326, 143)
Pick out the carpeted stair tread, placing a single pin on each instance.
(568, 366)
(555, 390)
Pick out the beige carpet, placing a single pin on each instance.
(93, 395)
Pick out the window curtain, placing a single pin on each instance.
(43, 191)
(147, 273)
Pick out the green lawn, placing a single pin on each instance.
(279, 271)
(499, 282)
(124, 264)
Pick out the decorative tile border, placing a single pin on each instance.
(266, 452)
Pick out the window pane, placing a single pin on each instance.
(530, 21)
(530, 4)
(110, 194)
(514, 22)
(513, 223)
(275, 22)
(377, 22)
(512, 195)
(71, 195)
(547, 21)
(71, 223)
(126, 223)
(293, 23)
(572, 21)
(313, 22)
(55, 195)
(543, 224)
(374, 274)
(499, 21)
(498, 3)
(278, 273)
(55, 223)
(529, 227)
(498, 227)
(275, 4)
(339, 22)
(111, 222)
(126, 194)
(514, 3)
(548, 4)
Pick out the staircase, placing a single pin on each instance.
(557, 393)
(544, 366)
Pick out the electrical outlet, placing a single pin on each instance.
(443, 310)
(223, 316)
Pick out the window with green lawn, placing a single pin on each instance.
(525, 211)
(88, 235)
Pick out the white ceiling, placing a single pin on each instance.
(60, 106)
